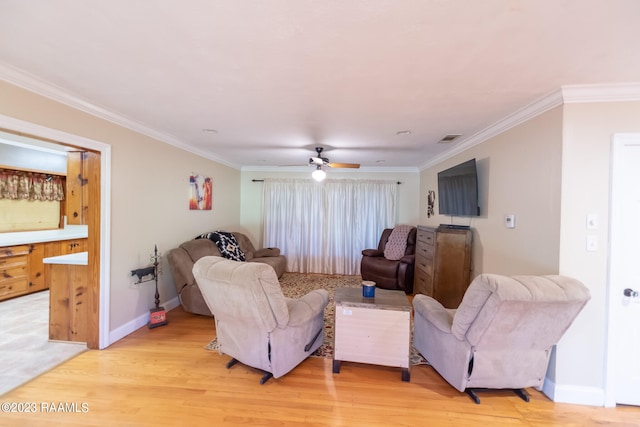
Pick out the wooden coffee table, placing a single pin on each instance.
(372, 330)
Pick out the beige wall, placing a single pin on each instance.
(518, 173)
(587, 132)
(408, 195)
(149, 195)
(551, 172)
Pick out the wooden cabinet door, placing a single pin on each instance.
(37, 280)
(68, 303)
(452, 266)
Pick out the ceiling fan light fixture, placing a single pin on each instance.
(318, 174)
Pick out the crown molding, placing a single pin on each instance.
(31, 83)
(565, 95)
(601, 93)
(363, 169)
(528, 112)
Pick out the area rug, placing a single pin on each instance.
(294, 285)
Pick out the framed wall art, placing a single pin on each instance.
(200, 193)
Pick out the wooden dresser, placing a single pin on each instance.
(443, 263)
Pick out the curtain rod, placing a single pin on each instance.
(262, 180)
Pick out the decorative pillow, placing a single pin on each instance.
(226, 243)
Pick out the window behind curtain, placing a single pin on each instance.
(323, 227)
(29, 200)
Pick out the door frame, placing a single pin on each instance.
(54, 135)
(613, 297)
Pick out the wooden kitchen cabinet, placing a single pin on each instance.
(61, 247)
(443, 263)
(68, 302)
(73, 246)
(64, 247)
(37, 280)
(14, 271)
(22, 270)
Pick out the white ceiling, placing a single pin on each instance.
(275, 78)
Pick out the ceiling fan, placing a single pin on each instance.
(320, 161)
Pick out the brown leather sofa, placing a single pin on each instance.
(182, 259)
(390, 274)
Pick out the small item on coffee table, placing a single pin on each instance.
(368, 289)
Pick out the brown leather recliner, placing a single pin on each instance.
(390, 274)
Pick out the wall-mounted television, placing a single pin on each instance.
(458, 190)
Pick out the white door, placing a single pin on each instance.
(624, 280)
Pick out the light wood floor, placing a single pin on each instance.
(165, 377)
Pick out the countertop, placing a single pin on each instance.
(80, 258)
(26, 237)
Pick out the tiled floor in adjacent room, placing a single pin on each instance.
(25, 349)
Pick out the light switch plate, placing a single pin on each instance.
(510, 221)
(592, 221)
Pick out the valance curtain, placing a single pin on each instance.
(323, 227)
(30, 185)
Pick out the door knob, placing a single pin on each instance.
(630, 293)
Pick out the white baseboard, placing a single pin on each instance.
(139, 322)
(578, 395)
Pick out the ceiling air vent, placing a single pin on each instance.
(448, 138)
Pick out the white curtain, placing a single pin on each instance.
(323, 227)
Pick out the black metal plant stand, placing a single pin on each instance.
(157, 315)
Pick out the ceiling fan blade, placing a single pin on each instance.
(316, 161)
(344, 165)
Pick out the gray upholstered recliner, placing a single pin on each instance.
(255, 323)
(182, 258)
(501, 335)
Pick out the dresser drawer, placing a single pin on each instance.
(13, 261)
(11, 272)
(423, 251)
(424, 262)
(423, 284)
(9, 252)
(13, 287)
(426, 236)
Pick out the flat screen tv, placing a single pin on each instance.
(458, 190)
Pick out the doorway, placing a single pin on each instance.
(99, 220)
(623, 347)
